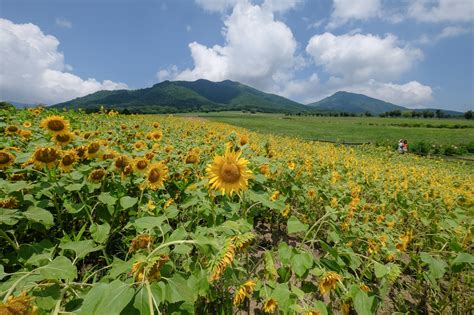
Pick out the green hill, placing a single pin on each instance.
(354, 103)
(185, 96)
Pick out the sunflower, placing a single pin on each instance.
(67, 160)
(154, 135)
(157, 174)
(45, 157)
(243, 140)
(55, 124)
(97, 175)
(81, 151)
(192, 157)
(12, 129)
(328, 282)
(264, 169)
(245, 291)
(21, 304)
(139, 145)
(6, 159)
(25, 134)
(109, 154)
(63, 138)
(141, 241)
(9, 203)
(93, 149)
(270, 305)
(121, 162)
(141, 165)
(27, 124)
(228, 173)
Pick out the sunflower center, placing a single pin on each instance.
(97, 174)
(12, 128)
(4, 158)
(191, 159)
(230, 173)
(68, 160)
(93, 148)
(154, 175)
(56, 125)
(121, 162)
(141, 165)
(63, 138)
(46, 155)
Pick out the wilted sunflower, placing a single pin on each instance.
(21, 305)
(141, 241)
(55, 124)
(6, 159)
(245, 291)
(45, 157)
(149, 271)
(97, 175)
(67, 160)
(157, 174)
(9, 203)
(228, 173)
(328, 282)
(270, 305)
(140, 165)
(63, 138)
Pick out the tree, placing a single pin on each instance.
(469, 114)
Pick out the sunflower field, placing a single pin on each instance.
(113, 214)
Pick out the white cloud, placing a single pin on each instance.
(33, 70)
(453, 31)
(412, 94)
(258, 51)
(62, 22)
(281, 5)
(217, 5)
(346, 10)
(442, 10)
(359, 57)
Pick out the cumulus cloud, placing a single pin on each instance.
(33, 70)
(412, 94)
(217, 5)
(442, 10)
(258, 50)
(346, 10)
(359, 57)
(62, 22)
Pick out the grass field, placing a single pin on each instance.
(354, 129)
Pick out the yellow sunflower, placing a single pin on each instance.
(141, 165)
(45, 157)
(12, 129)
(6, 159)
(245, 291)
(27, 124)
(157, 174)
(68, 159)
(270, 305)
(192, 157)
(228, 173)
(93, 149)
(97, 175)
(55, 124)
(63, 138)
(121, 162)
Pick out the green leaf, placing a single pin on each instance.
(3, 274)
(295, 225)
(380, 270)
(141, 301)
(100, 232)
(39, 215)
(128, 202)
(285, 252)
(118, 295)
(321, 308)
(48, 297)
(362, 303)
(81, 248)
(437, 266)
(177, 290)
(92, 298)
(463, 258)
(148, 223)
(107, 198)
(9, 216)
(301, 263)
(59, 268)
(74, 187)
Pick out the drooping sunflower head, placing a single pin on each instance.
(328, 282)
(6, 159)
(97, 175)
(45, 157)
(243, 140)
(68, 159)
(228, 173)
(63, 138)
(121, 162)
(270, 305)
(55, 124)
(156, 175)
(245, 291)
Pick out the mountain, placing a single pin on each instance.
(354, 103)
(184, 96)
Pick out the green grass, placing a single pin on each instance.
(353, 129)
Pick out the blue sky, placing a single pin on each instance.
(416, 53)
